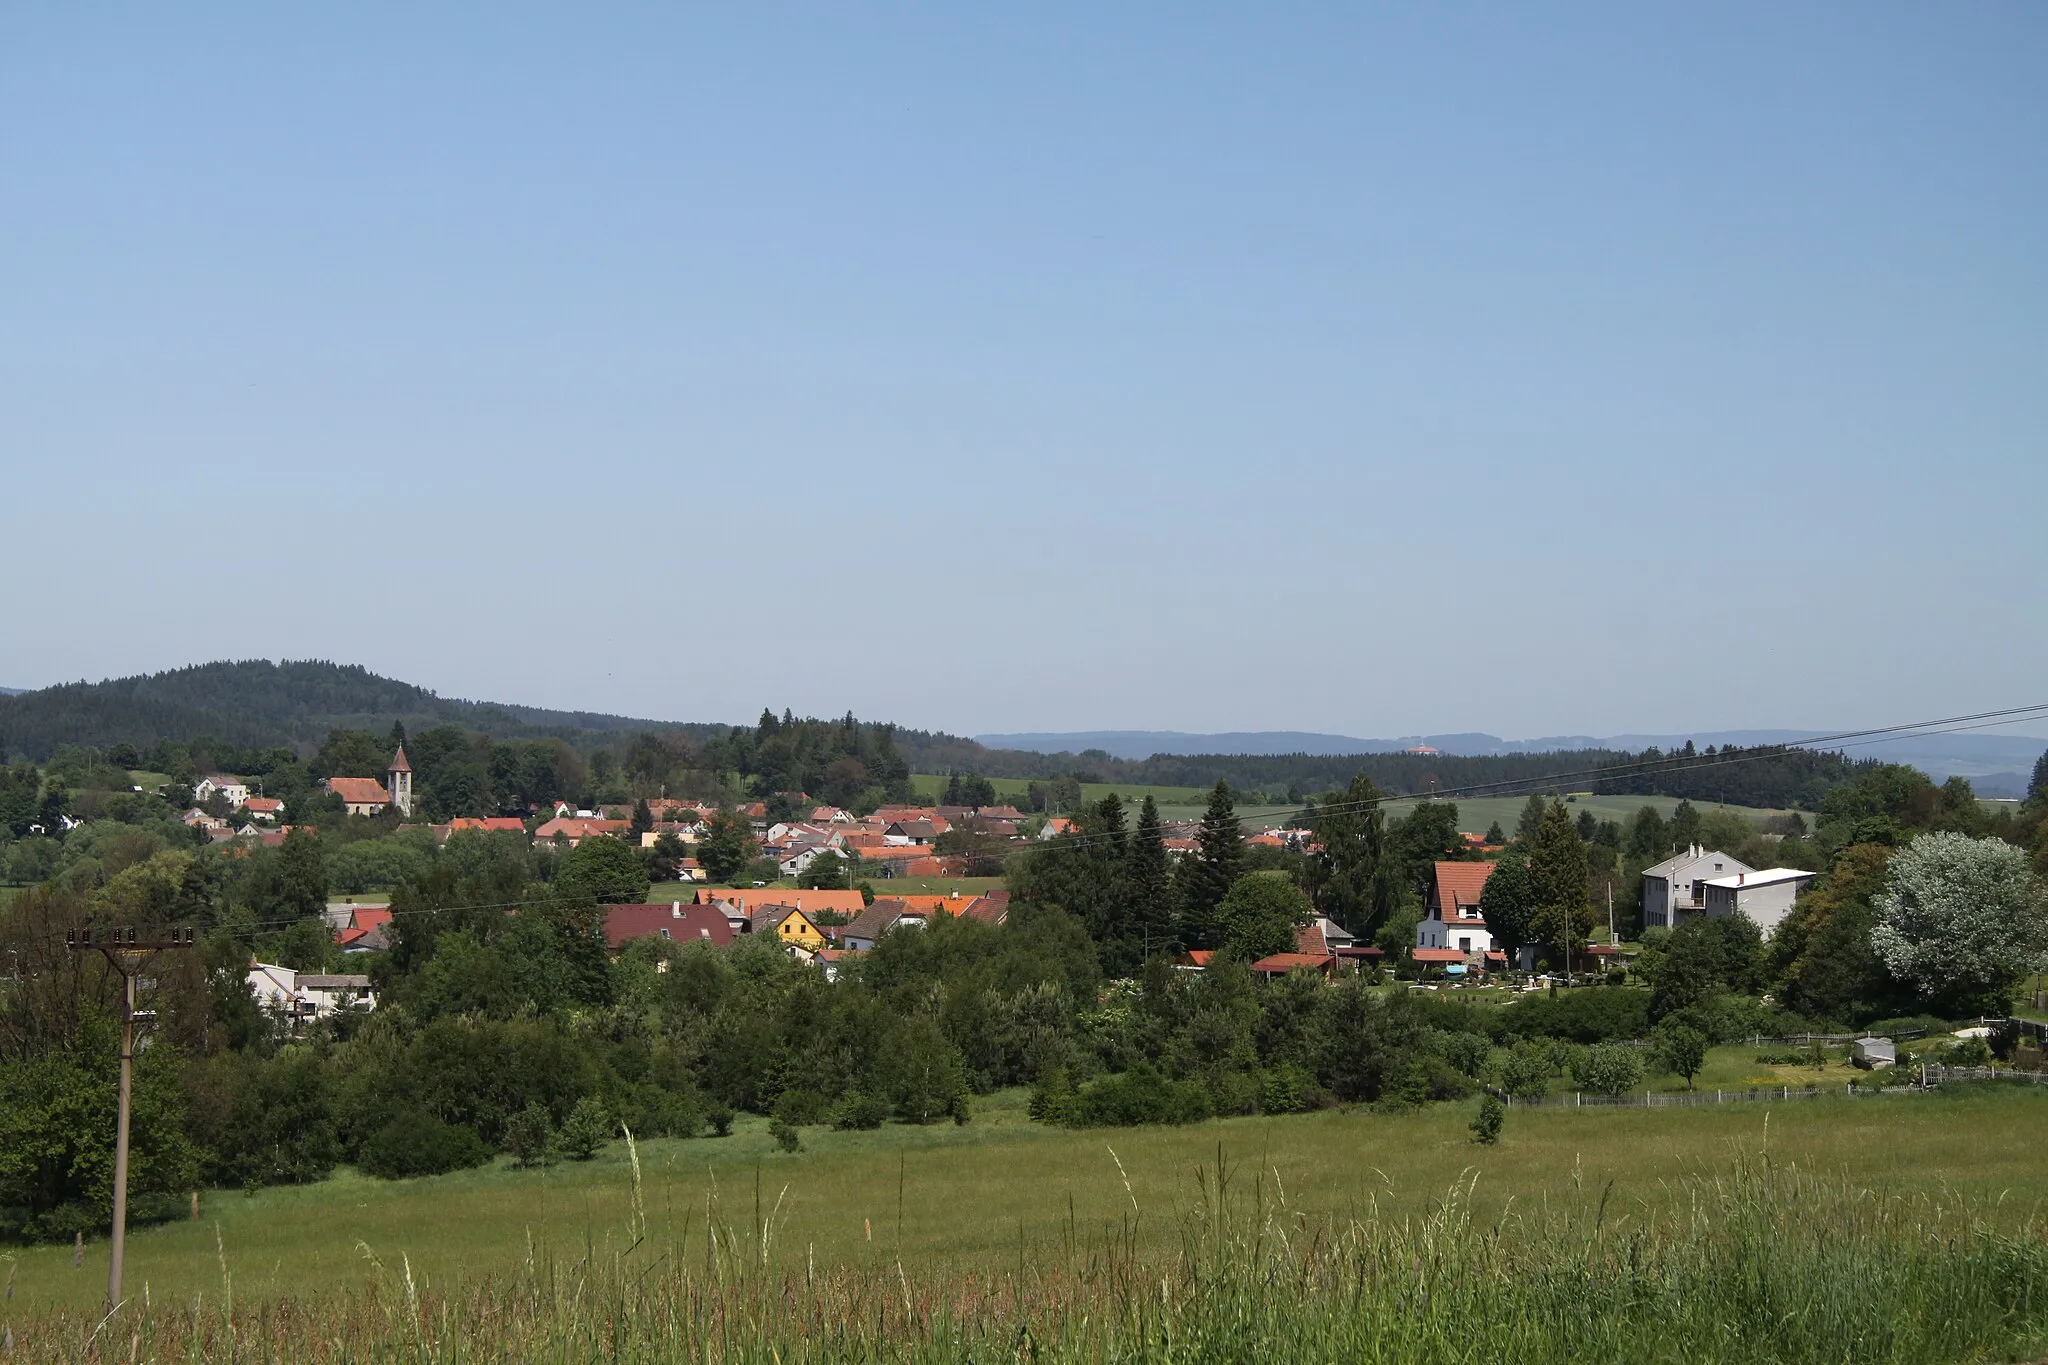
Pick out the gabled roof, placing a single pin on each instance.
(359, 791)
(871, 923)
(1279, 964)
(1438, 955)
(1308, 938)
(768, 919)
(1689, 859)
(683, 922)
(750, 899)
(1461, 883)
(258, 804)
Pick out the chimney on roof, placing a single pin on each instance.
(1739, 877)
(675, 909)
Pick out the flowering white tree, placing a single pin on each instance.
(1962, 920)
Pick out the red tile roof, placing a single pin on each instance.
(1460, 883)
(1281, 963)
(750, 899)
(359, 791)
(1438, 955)
(682, 923)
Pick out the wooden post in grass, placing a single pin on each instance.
(128, 952)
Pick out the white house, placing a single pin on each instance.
(301, 996)
(233, 788)
(1766, 896)
(1676, 887)
(1466, 933)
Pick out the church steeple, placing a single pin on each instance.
(400, 784)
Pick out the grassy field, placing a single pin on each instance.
(1474, 813)
(980, 1197)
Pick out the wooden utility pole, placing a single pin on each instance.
(128, 950)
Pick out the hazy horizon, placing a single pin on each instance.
(1587, 371)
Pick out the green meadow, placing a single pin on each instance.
(981, 1197)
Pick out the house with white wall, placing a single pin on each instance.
(1766, 896)
(1675, 889)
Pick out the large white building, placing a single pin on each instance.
(1765, 896)
(1676, 888)
(298, 997)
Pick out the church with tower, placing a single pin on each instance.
(368, 796)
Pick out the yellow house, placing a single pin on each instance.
(789, 924)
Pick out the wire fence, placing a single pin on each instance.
(1930, 1078)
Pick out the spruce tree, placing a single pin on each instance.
(643, 820)
(1221, 851)
(1356, 882)
(1557, 871)
(1685, 825)
(1531, 821)
(1151, 882)
(2037, 789)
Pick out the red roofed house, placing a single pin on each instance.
(573, 831)
(749, 899)
(675, 921)
(1451, 921)
(264, 808)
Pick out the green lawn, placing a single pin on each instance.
(1011, 789)
(958, 1198)
(1476, 813)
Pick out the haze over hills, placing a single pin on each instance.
(1998, 765)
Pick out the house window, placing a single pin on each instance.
(1464, 943)
(664, 933)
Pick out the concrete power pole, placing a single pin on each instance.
(128, 951)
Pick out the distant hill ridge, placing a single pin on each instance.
(1997, 764)
(257, 702)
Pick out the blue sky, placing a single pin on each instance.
(1373, 370)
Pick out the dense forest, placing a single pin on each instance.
(233, 715)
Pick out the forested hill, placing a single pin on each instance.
(257, 703)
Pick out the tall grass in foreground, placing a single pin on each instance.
(1762, 1262)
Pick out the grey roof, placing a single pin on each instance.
(1686, 859)
(334, 983)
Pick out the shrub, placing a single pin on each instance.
(1486, 1126)
(1593, 1014)
(1467, 1052)
(588, 1128)
(858, 1110)
(786, 1135)
(802, 1108)
(530, 1136)
(416, 1143)
(1286, 1089)
(1681, 1049)
(1608, 1069)
(1140, 1095)
(719, 1116)
(1525, 1071)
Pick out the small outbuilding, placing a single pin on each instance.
(1874, 1054)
